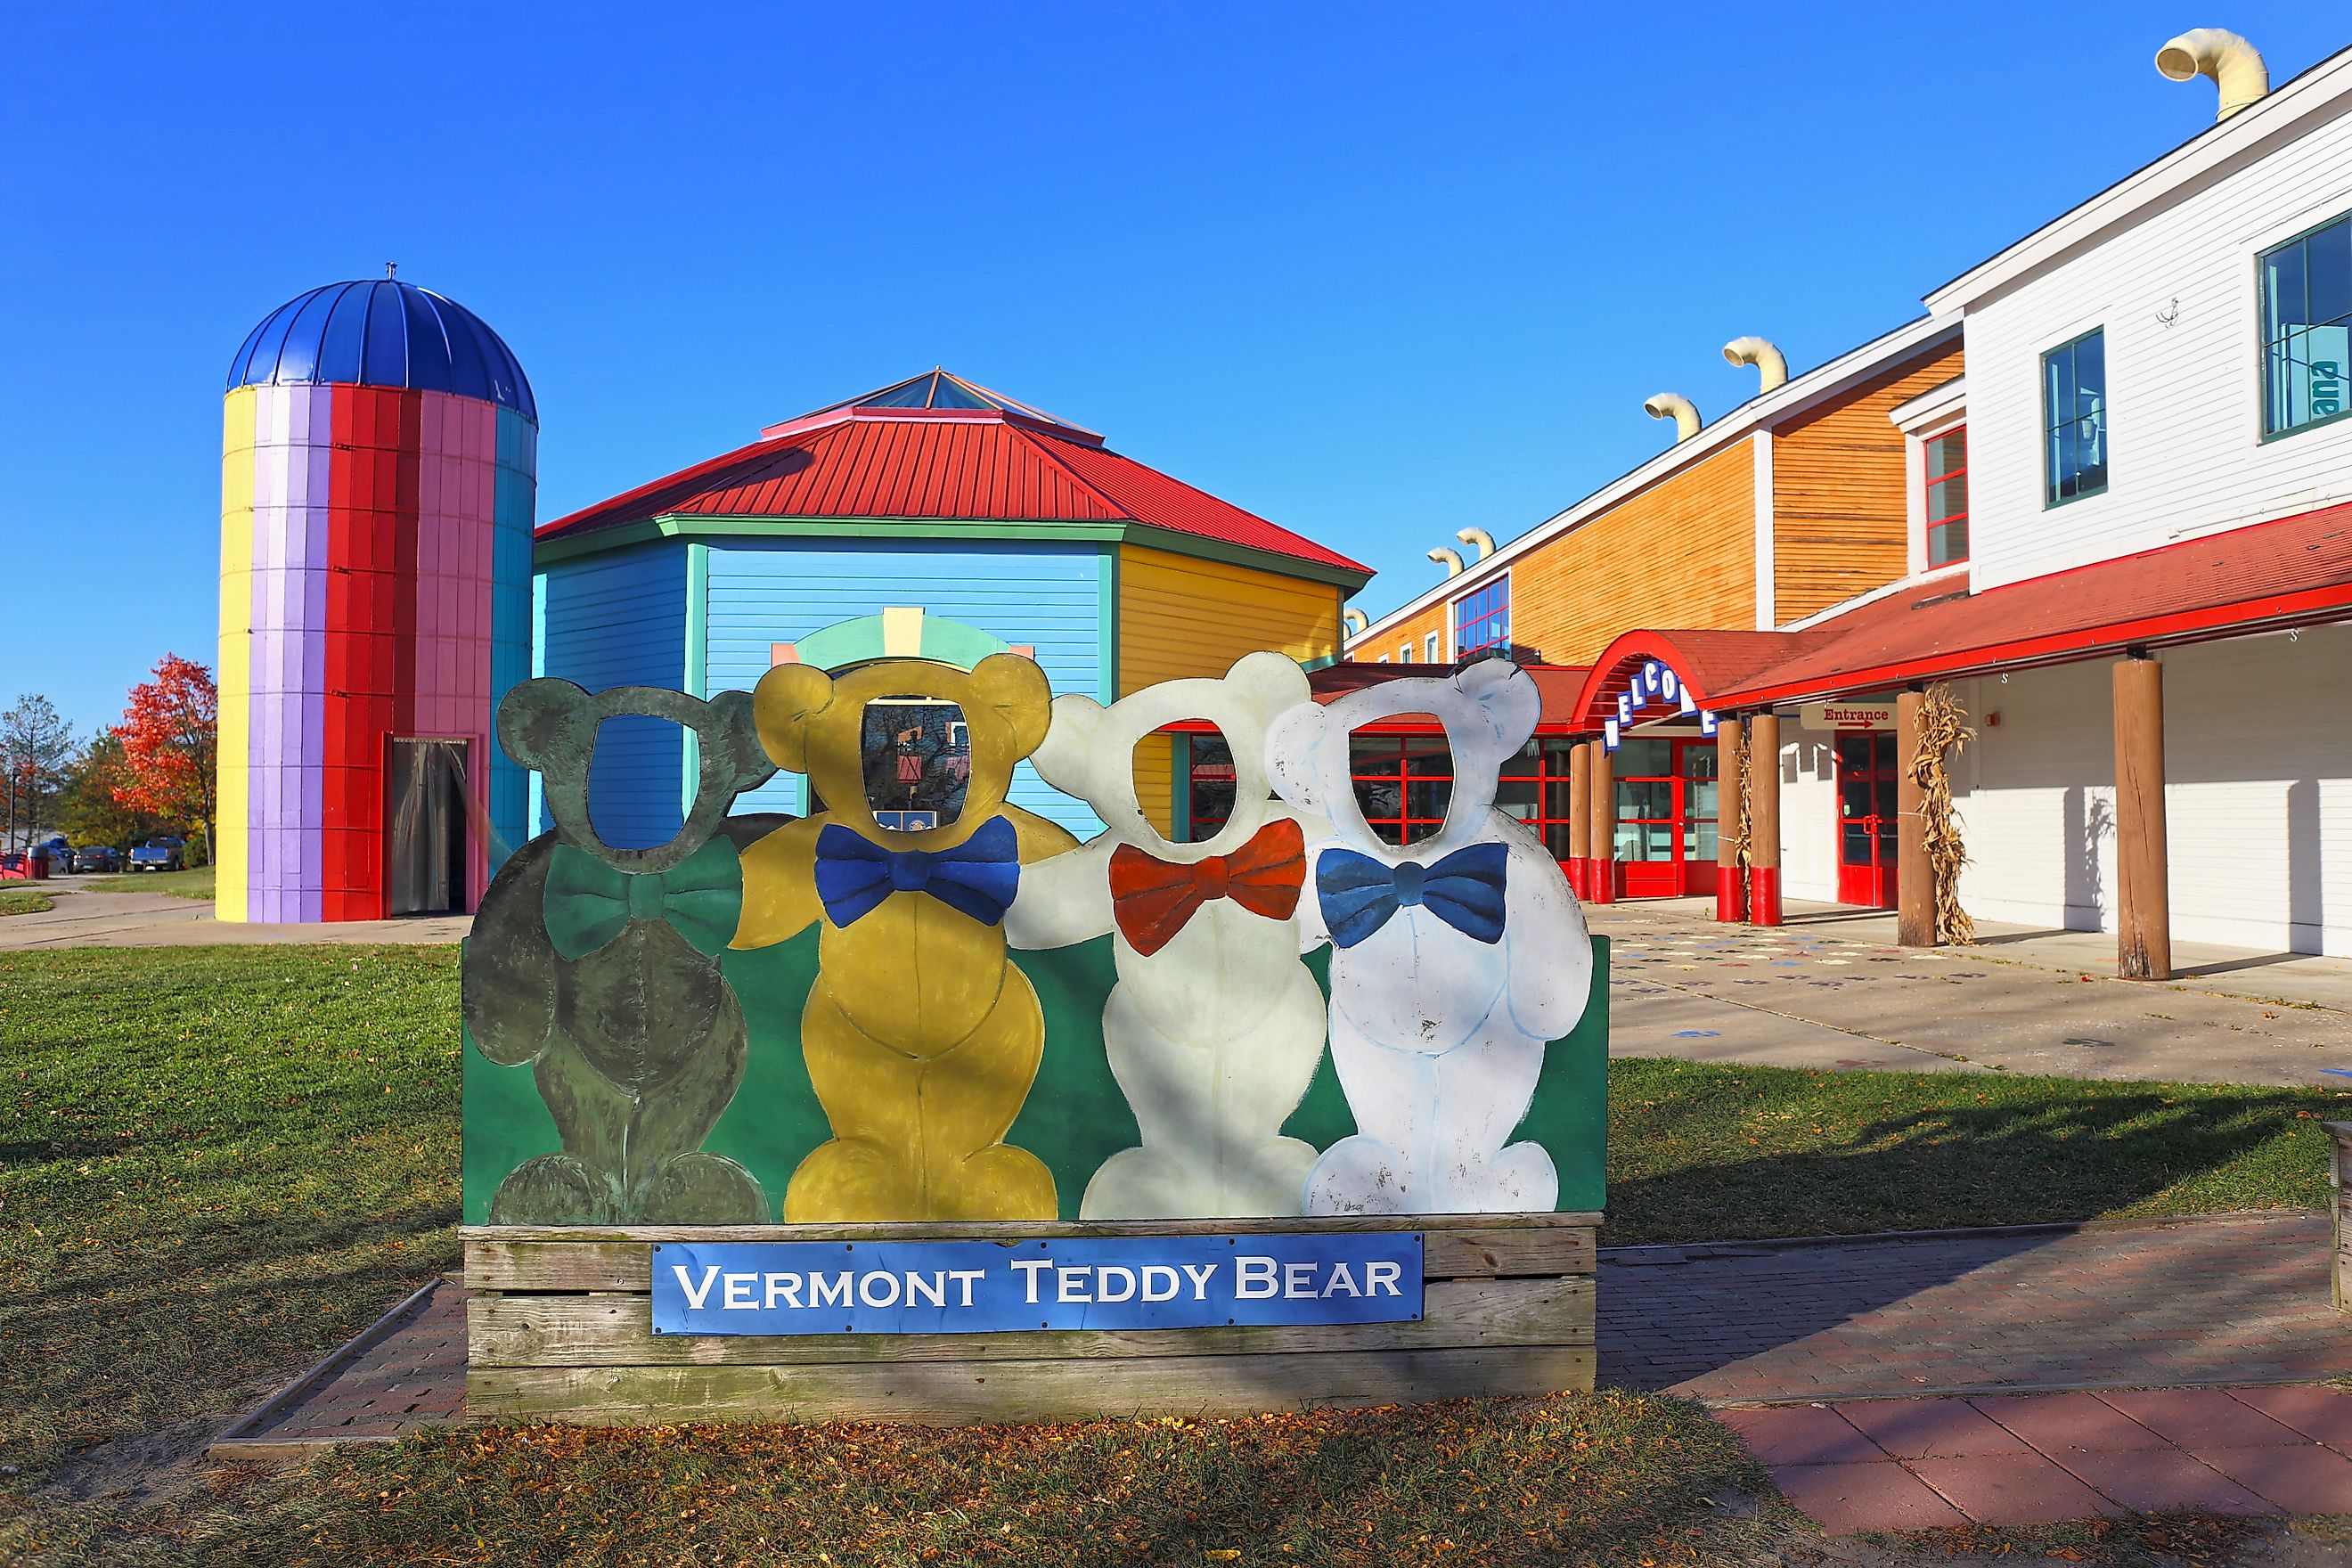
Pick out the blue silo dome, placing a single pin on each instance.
(381, 332)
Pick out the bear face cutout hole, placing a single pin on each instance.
(1404, 783)
(1204, 801)
(632, 756)
(916, 753)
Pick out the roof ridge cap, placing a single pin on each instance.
(1032, 436)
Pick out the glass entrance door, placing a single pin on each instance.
(1665, 817)
(1867, 818)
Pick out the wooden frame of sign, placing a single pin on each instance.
(558, 1328)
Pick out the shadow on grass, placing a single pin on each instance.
(1966, 1151)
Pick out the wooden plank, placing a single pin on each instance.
(617, 1330)
(596, 1260)
(1028, 1230)
(960, 1393)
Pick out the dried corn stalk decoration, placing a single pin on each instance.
(1940, 735)
(1734, 851)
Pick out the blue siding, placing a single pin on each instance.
(1045, 595)
(620, 620)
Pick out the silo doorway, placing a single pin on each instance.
(427, 849)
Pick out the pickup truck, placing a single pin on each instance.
(160, 853)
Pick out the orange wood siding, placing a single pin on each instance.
(1840, 514)
(1681, 553)
(1415, 631)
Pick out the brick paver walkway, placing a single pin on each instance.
(411, 1378)
(2217, 1301)
(2039, 1459)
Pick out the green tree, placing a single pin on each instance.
(35, 746)
(89, 811)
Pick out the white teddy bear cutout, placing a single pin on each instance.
(1215, 1027)
(1454, 960)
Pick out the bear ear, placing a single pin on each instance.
(1270, 683)
(731, 731)
(1507, 695)
(1066, 758)
(1017, 691)
(1294, 741)
(783, 702)
(538, 725)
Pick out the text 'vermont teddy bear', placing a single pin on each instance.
(921, 1037)
(1214, 1029)
(600, 967)
(1455, 959)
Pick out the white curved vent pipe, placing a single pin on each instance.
(1674, 406)
(1358, 622)
(2236, 65)
(1477, 539)
(1449, 558)
(1759, 352)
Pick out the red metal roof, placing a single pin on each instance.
(2293, 571)
(961, 465)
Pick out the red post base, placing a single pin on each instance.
(1573, 869)
(1727, 897)
(1764, 895)
(1600, 876)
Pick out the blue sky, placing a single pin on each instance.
(1375, 272)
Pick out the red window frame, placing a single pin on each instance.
(1928, 521)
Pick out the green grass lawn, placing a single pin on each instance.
(22, 901)
(194, 883)
(216, 1163)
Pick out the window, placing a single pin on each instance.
(1404, 654)
(1947, 496)
(1209, 778)
(2074, 418)
(2306, 314)
(1404, 783)
(1481, 617)
(1429, 648)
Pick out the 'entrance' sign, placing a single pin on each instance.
(1848, 718)
(986, 1287)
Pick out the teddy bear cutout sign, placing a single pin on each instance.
(923, 1002)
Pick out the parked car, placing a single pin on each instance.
(162, 853)
(97, 858)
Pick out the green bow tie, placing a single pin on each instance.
(589, 903)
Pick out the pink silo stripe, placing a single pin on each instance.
(452, 695)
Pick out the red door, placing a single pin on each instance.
(1866, 843)
(1665, 817)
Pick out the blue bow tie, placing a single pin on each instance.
(976, 878)
(1465, 889)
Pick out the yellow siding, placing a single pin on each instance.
(1416, 632)
(235, 679)
(1841, 519)
(1179, 615)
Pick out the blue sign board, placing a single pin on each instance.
(989, 1287)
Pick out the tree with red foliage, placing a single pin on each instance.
(170, 735)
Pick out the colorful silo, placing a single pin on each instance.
(378, 467)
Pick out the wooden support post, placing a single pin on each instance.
(1601, 868)
(1730, 903)
(1915, 879)
(1764, 819)
(2143, 888)
(1580, 821)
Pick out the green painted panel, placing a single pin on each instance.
(1075, 1117)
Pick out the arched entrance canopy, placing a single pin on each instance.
(1649, 675)
(895, 633)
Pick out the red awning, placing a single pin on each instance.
(2297, 571)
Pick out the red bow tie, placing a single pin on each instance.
(1152, 899)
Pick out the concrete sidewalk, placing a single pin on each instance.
(1819, 995)
(90, 916)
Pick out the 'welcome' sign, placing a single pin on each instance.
(985, 1287)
